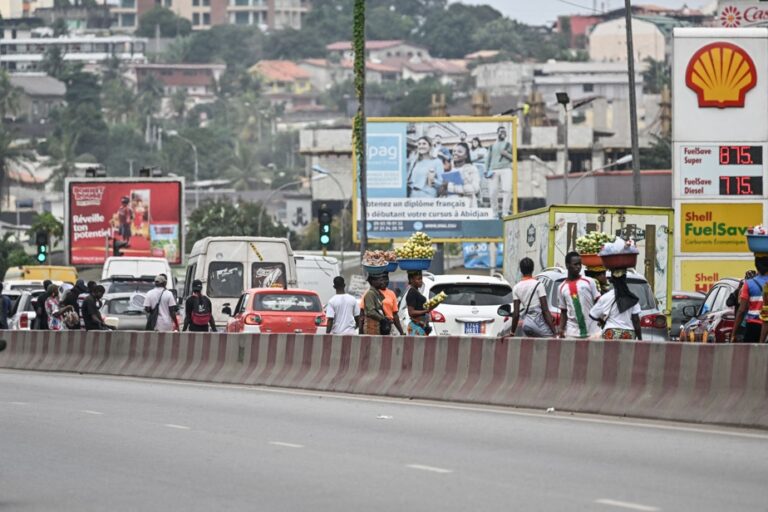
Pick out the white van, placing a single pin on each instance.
(136, 267)
(228, 265)
(316, 273)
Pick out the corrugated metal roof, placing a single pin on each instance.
(38, 84)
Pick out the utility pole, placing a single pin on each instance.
(358, 31)
(633, 107)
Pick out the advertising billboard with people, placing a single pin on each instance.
(123, 217)
(451, 178)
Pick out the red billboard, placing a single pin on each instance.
(138, 217)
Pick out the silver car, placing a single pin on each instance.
(652, 321)
(124, 311)
(22, 315)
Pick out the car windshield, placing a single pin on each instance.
(468, 294)
(641, 289)
(129, 286)
(122, 306)
(296, 302)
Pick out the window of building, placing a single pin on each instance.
(128, 20)
(241, 18)
(195, 18)
(588, 87)
(242, 3)
(206, 18)
(128, 4)
(206, 3)
(195, 3)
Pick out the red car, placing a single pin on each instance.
(713, 321)
(272, 310)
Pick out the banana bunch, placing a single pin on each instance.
(418, 247)
(435, 301)
(592, 242)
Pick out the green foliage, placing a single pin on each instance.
(60, 27)
(294, 44)
(656, 76)
(658, 156)
(448, 33)
(234, 45)
(12, 254)
(170, 24)
(224, 218)
(48, 223)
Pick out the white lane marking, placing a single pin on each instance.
(19, 403)
(509, 411)
(95, 413)
(433, 469)
(627, 505)
(178, 427)
(286, 445)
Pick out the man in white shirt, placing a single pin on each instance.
(343, 310)
(620, 310)
(165, 302)
(530, 303)
(577, 295)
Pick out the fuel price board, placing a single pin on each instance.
(720, 170)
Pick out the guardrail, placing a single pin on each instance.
(725, 384)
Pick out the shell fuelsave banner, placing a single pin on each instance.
(135, 217)
(717, 227)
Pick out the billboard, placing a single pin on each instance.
(478, 255)
(701, 275)
(451, 178)
(141, 216)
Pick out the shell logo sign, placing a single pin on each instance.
(721, 74)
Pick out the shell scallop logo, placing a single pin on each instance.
(721, 74)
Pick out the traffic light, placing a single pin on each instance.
(41, 239)
(324, 217)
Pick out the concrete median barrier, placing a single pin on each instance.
(725, 384)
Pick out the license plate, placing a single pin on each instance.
(474, 328)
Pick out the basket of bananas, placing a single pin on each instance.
(435, 301)
(417, 252)
(589, 246)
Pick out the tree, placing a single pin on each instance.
(179, 103)
(234, 45)
(245, 171)
(12, 254)
(224, 218)
(448, 32)
(656, 76)
(170, 24)
(658, 156)
(60, 27)
(48, 223)
(53, 62)
(63, 151)
(119, 101)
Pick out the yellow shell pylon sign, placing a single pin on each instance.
(721, 74)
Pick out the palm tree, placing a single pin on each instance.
(9, 106)
(118, 101)
(63, 149)
(245, 170)
(150, 96)
(179, 103)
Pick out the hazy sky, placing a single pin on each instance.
(543, 11)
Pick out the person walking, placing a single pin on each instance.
(418, 312)
(375, 322)
(618, 310)
(91, 310)
(577, 295)
(498, 165)
(537, 319)
(53, 310)
(751, 302)
(390, 304)
(198, 311)
(342, 311)
(160, 305)
(41, 317)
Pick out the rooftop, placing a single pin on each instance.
(212, 67)
(38, 84)
(369, 45)
(280, 70)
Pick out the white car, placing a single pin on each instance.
(470, 308)
(23, 310)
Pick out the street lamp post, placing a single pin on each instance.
(174, 133)
(324, 172)
(564, 100)
(265, 203)
(621, 161)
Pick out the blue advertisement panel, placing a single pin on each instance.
(477, 255)
(449, 179)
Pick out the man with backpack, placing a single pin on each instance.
(160, 305)
(198, 310)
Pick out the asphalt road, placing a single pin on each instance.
(73, 442)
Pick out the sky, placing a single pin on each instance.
(539, 12)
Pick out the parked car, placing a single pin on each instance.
(712, 322)
(124, 311)
(681, 300)
(470, 307)
(652, 321)
(23, 310)
(274, 310)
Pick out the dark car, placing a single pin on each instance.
(712, 322)
(681, 300)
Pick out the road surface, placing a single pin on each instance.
(89, 443)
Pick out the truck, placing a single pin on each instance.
(547, 234)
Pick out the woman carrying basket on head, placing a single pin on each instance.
(618, 310)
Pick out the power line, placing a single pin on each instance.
(574, 4)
